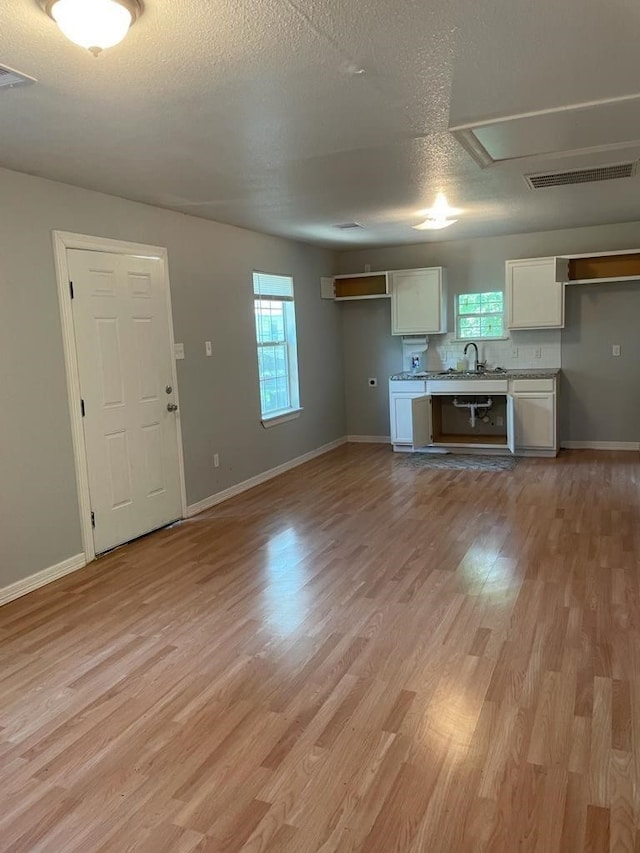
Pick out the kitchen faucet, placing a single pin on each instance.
(475, 346)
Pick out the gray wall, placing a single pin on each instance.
(210, 267)
(600, 393)
(471, 265)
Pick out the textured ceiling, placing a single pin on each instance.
(253, 113)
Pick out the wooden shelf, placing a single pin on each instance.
(605, 267)
(366, 286)
(497, 440)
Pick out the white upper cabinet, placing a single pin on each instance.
(535, 293)
(418, 302)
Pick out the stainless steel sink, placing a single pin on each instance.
(451, 372)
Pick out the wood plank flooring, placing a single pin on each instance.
(357, 656)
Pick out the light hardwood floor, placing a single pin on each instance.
(357, 656)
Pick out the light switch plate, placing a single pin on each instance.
(179, 351)
(207, 347)
(616, 349)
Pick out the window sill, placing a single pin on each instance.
(281, 418)
(476, 340)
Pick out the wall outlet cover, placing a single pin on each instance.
(207, 348)
(616, 350)
(179, 351)
(537, 353)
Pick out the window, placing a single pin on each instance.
(480, 315)
(277, 350)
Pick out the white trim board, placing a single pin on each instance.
(22, 587)
(369, 439)
(63, 240)
(232, 491)
(601, 445)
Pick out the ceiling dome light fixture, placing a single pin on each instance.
(94, 24)
(438, 216)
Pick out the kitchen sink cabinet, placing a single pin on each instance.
(418, 302)
(527, 410)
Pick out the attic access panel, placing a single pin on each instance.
(578, 129)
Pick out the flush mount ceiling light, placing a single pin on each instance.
(94, 24)
(438, 216)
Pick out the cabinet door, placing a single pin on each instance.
(401, 418)
(536, 421)
(422, 420)
(535, 300)
(417, 302)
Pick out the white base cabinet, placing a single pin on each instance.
(531, 416)
(536, 415)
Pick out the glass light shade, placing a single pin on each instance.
(94, 24)
(434, 224)
(438, 215)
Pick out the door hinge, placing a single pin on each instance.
(82, 407)
(93, 519)
(71, 289)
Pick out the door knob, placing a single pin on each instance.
(172, 407)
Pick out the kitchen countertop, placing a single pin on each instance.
(523, 373)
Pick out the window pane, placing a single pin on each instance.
(269, 395)
(480, 315)
(470, 327)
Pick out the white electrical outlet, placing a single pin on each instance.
(179, 351)
(367, 267)
(499, 421)
(216, 460)
(207, 348)
(514, 352)
(537, 353)
(616, 350)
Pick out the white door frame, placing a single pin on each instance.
(63, 240)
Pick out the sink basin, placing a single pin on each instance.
(490, 372)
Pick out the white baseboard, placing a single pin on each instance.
(601, 445)
(369, 439)
(232, 491)
(22, 587)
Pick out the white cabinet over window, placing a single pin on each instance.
(535, 293)
(418, 302)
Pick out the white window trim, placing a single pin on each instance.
(281, 417)
(502, 313)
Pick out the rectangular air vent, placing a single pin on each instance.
(346, 226)
(580, 176)
(9, 78)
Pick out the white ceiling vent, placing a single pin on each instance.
(347, 226)
(542, 180)
(9, 78)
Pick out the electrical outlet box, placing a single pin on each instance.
(207, 348)
(514, 352)
(179, 351)
(373, 382)
(537, 353)
(499, 420)
(616, 350)
(216, 460)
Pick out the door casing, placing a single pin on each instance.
(63, 240)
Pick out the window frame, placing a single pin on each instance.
(289, 342)
(459, 316)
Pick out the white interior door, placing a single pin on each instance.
(126, 372)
